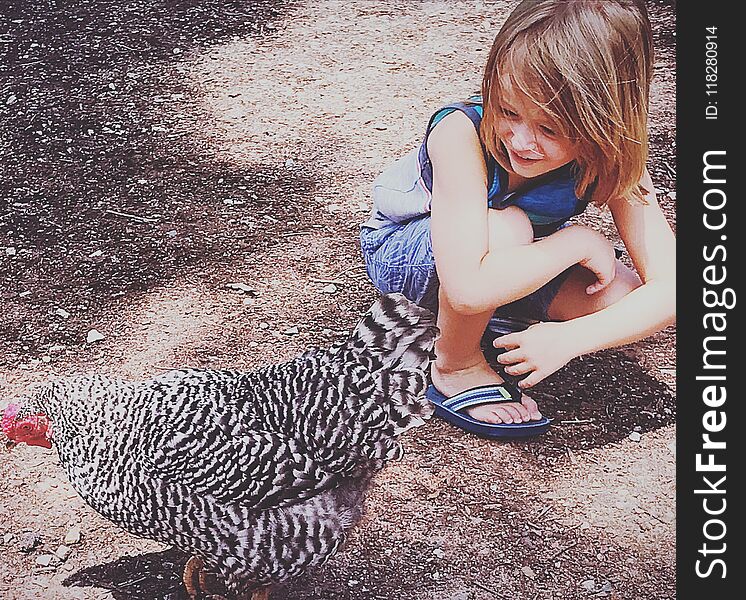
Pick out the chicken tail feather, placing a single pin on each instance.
(397, 332)
(398, 337)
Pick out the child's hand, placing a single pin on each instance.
(539, 351)
(600, 260)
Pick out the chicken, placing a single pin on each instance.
(257, 475)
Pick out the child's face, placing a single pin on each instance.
(532, 141)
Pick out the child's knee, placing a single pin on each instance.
(509, 227)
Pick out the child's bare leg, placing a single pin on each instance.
(460, 365)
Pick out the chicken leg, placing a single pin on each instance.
(200, 583)
(193, 577)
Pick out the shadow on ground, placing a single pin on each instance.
(57, 39)
(598, 399)
(157, 576)
(103, 190)
(154, 576)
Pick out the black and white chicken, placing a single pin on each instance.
(256, 475)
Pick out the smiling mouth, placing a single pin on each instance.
(533, 157)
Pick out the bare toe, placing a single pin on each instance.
(530, 405)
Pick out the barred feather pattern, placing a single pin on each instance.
(260, 473)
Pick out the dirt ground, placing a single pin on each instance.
(153, 152)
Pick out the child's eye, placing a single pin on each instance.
(548, 131)
(509, 113)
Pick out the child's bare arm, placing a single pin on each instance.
(474, 277)
(545, 347)
(651, 307)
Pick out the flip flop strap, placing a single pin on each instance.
(486, 394)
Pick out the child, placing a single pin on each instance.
(474, 221)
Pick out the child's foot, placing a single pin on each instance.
(450, 383)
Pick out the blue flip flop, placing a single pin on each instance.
(450, 409)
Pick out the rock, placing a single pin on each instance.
(10, 251)
(439, 553)
(329, 289)
(62, 553)
(28, 541)
(72, 537)
(635, 436)
(588, 585)
(291, 331)
(44, 560)
(242, 288)
(12, 99)
(7, 538)
(61, 312)
(528, 572)
(94, 336)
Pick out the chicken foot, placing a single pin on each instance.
(199, 582)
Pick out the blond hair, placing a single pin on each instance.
(588, 64)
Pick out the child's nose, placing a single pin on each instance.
(523, 139)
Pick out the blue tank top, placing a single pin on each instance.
(404, 190)
(548, 200)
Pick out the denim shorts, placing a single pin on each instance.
(399, 258)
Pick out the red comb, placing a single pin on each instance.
(9, 415)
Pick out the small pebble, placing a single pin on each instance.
(635, 436)
(241, 287)
(94, 336)
(528, 572)
(62, 553)
(72, 536)
(44, 560)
